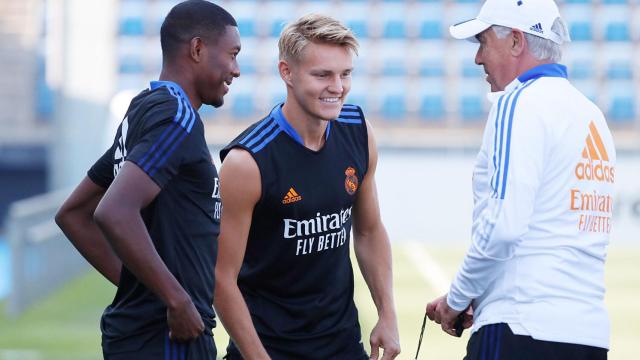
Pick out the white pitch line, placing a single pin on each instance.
(428, 267)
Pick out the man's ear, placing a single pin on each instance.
(518, 42)
(285, 71)
(196, 48)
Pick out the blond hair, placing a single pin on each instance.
(314, 28)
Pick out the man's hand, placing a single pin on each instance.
(185, 323)
(439, 311)
(385, 336)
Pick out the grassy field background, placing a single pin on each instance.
(65, 325)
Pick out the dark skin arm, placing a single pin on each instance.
(118, 216)
(75, 218)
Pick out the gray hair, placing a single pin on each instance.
(541, 48)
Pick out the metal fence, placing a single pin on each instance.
(42, 258)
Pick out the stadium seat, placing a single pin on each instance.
(431, 29)
(243, 106)
(581, 69)
(621, 105)
(581, 31)
(130, 65)
(394, 107)
(622, 109)
(432, 107)
(131, 18)
(471, 107)
(358, 27)
(247, 27)
(394, 29)
(394, 67)
(431, 68)
(580, 60)
(132, 26)
(617, 31)
(619, 70)
(613, 23)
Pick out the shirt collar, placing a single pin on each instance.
(170, 84)
(277, 114)
(548, 70)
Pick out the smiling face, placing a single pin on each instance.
(319, 80)
(219, 67)
(496, 58)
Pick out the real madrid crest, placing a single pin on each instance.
(351, 181)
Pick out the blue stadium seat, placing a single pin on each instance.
(617, 31)
(394, 107)
(619, 70)
(614, 1)
(247, 27)
(581, 69)
(243, 106)
(579, 1)
(622, 109)
(394, 67)
(131, 65)
(431, 29)
(621, 103)
(471, 70)
(432, 107)
(432, 68)
(471, 108)
(394, 29)
(276, 27)
(581, 31)
(131, 26)
(358, 27)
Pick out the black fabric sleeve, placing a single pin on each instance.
(101, 173)
(159, 147)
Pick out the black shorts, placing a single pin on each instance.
(157, 346)
(498, 342)
(344, 345)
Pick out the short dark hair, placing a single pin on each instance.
(193, 18)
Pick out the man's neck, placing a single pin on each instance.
(170, 73)
(311, 129)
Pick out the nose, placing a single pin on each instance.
(336, 85)
(235, 71)
(478, 58)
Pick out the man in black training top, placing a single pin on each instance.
(291, 185)
(147, 215)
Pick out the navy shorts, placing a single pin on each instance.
(158, 347)
(344, 345)
(498, 342)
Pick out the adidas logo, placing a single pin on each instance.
(595, 159)
(537, 28)
(292, 196)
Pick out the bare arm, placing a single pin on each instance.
(238, 200)
(118, 216)
(373, 251)
(75, 218)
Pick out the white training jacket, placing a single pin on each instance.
(543, 190)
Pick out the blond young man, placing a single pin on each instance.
(292, 185)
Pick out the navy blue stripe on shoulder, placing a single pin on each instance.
(350, 114)
(166, 143)
(258, 130)
(267, 139)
